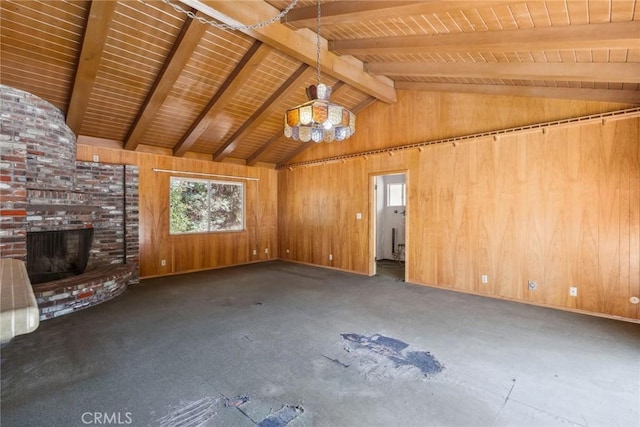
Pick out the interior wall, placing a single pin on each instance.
(561, 208)
(427, 116)
(190, 252)
(389, 218)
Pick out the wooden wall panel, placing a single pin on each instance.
(428, 116)
(425, 236)
(185, 253)
(634, 228)
(559, 207)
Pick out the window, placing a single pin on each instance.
(396, 194)
(201, 206)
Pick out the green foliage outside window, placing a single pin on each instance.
(200, 206)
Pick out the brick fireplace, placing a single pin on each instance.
(43, 188)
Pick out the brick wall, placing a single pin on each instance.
(43, 187)
(113, 191)
(13, 195)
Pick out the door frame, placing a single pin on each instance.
(373, 223)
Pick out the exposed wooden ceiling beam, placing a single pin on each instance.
(245, 68)
(586, 94)
(301, 44)
(363, 105)
(585, 72)
(293, 83)
(187, 41)
(305, 145)
(294, 153)
(95, 38)
(346, 12)
(253, 159)
(610, 35)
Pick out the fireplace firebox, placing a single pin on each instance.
(56, 254)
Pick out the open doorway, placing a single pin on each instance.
(389, 225)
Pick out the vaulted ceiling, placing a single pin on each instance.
(143, 75)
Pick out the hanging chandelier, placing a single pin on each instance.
(319, 120)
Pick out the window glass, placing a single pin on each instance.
(200, 206)
(396, 194)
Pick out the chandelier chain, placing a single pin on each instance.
(318, 45)
(221, 26)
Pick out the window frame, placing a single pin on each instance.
(209, 183)
(403, 194)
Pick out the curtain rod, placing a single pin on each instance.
(206, 174)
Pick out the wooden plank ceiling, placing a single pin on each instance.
(143, 76)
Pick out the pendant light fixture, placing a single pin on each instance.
(319, 120)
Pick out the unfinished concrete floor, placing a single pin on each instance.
(391, 269)
(230, 347)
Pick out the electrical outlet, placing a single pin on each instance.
(330, 257)
(163, 263)
(266, 250)
(573, 291)
(255, 252)
(96, 158)
(287, 250)
(484, 278)
(532, 285)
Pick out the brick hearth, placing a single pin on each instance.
(96, 285)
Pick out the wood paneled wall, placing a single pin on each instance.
(561, 208)
(428, 116)
(191, 252)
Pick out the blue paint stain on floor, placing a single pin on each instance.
(395, 350)
(282, 417)
(198, 413)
